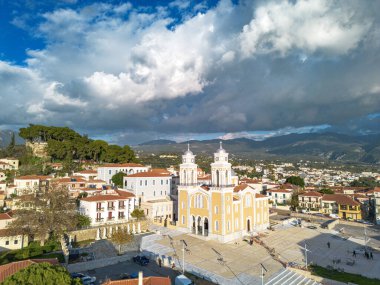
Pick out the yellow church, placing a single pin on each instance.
(222, 211)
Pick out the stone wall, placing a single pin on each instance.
(38, 149)
(104, 232)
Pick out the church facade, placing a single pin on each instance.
(223, 210)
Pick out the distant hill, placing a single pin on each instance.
(5, 138)
(318, 146)
(158, 142)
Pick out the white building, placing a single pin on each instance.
(109, 207)
(9, 163)
(2, 176)
(30, 183)
(87, 174)
(106, 171)
(150, 185)
(279, 196)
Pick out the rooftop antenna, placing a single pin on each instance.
(188, 146)
(220, 145)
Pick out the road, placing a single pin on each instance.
(113, 272)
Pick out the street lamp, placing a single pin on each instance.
(184, 244)
(262, 273)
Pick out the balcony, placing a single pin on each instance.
(122, 218)
(188, 184)
(122, 207)
(110, 218)
(98, 220)
(100, 209)
(111, 208)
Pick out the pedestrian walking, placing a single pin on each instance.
(371, 255)
(328, 244)
(366, 255)
(354, 253)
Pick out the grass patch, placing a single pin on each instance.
(342, 276)
(34, 250)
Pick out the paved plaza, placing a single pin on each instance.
(240, 262)
(289, 244)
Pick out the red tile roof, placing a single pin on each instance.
(277, 190)
(146, 281)
(150, 174)
(109, 197)
(311, 194)
(340, 199)
(33, 177)
(9, 269)
(241, 187)
(260, 196)
(6, 216)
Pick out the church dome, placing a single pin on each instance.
(188, 152)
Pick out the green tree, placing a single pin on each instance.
(117, 179)
(138, 214)
(11, 147)
(121, 237)
(326, 191)
(294, 202)
(296, 180)
(45, 214)
(83, 221)
(42, 273)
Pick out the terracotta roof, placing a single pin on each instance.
(204, 187)
(260, 196)
(6, 216)
(9, 269)
(276, 190)
(205, 177)
(73, 179)
(118, 165)
(252, 181)
(241, 187)
(340, 199)
(108, 197)
(33, 177)
(160, 170)
(153, 280)
(149, 174)
(311, 194)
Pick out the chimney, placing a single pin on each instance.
(140, 278)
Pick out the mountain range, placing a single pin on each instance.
(317, 146)
(6, 136)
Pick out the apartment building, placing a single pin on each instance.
(106, 171)
(310, 200)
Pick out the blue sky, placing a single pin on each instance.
(131, 71)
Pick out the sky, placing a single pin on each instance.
(130, 72)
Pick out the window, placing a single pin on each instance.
(7, 242)
(140, 182)
(154, 193)
(216, 210)
(142, 193)
(109, 171)
(216, 226)
(126, 182)
(162, 182)
(146, 182)
(154, 182)
(183, 220)
(283, 196)
(248, 200)
(16, 241)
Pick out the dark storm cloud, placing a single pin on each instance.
(235, 68)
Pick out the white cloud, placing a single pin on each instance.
(318, 25)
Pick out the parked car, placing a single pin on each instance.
(312, 227)
(86, 280)
(141, 260)
(334, 216)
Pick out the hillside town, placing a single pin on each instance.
(225, 205)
